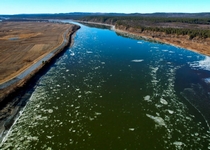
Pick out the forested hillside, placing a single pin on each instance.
(193, 27)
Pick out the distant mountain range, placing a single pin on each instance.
(78, 15)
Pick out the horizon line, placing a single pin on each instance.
(106, 13)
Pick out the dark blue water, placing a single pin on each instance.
(114, 92)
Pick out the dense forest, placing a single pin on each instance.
(193, 27)
(150, 19)
(191, 24)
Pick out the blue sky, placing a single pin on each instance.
(120, 6)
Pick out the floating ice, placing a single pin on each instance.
(178, 144)
(32, 138)
(102, 63)
(147, 98)
(170, 111)
(50, 111)
(154, 81)
(72, 54)
(91, 119)
(207, 80)
(196, 134)
(97, 113)
(154, 69)
(171, 52)
(139, 42)
(202, 64)
(131, 129)
(49, 137)
(89, 52)
(155, 47)
(88, 92)
(157, 120)
(163, 101)
(137, 60)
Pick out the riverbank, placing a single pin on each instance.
(14, 82)
(196, 44)
(24, 56)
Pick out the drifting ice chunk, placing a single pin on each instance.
(178, 144)
(97, 113)
(163, 101)
(50, 111)
(202, 64)
(89, 52)
(147, 98)
(170, 111)
(131, 129)
(157, 120)
(137, 60)
(207, 80)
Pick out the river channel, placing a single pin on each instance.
(114, 91)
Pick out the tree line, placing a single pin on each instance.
(151, 24)
(192, 33)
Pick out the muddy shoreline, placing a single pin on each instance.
(17, 94)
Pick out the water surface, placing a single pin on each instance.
(115, 92)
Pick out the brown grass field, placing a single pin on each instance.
(24, 43)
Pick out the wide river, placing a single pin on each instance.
(111, 91)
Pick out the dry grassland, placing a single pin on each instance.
(24, 43)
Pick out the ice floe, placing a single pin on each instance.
(179, 145)
(72, 54)
(202, 64)
(137, 60)
(147, 98)
(139, 42)
(207, 80)
(89, 52)
(158, 120)
(163, 101)
(50, 111)
(170, 111)
(97, 113)
(131, 129)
